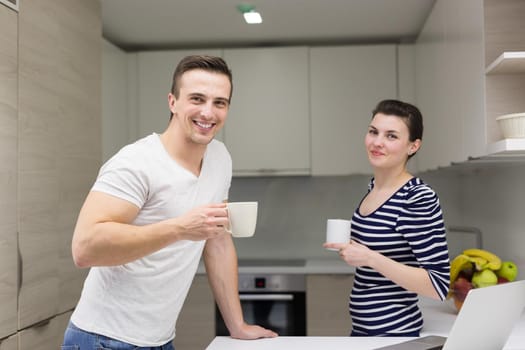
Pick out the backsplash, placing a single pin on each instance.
(293, 211)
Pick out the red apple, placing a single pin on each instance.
(502, 280)
(461, 288)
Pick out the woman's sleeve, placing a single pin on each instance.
(421, 223)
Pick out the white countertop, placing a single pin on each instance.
(303, 343)
(312, 266)
(438, 320)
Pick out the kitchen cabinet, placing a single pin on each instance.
(9, 343)
(268, 128)
(291, 106)
(346, 83)
(59, 147)
(47, 334)
(196, 324)
(460, 91)
(327, 304)
(154, 78)
(8, 171)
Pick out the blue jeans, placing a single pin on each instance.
(77, 339)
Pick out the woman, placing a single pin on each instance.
(398, 243)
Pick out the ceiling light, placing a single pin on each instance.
(250, 15)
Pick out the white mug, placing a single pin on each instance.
(337, 231)
(243, 217)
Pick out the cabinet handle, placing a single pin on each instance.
(267, 171)
(249, 297)
(42, 323)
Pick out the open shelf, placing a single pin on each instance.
(510, 62)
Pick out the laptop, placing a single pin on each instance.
(485, 321)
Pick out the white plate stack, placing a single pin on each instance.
(512, 125)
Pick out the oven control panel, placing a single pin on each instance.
(271, 282)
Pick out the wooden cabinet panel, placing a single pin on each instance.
(38, 149)
(47, 335)
(59, 142)
(10, 343)
(268, 129)
(196, 323)
(346, 83)
(327, 305)
(79, 137)
(8, 170)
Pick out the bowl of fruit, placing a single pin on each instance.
(477, 268)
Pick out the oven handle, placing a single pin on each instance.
(266, 296)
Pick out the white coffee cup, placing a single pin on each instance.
(337, 231)
(243, 217)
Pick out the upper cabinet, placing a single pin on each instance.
(295, 110)
(462, 84)
(346, 83)
(268, 127)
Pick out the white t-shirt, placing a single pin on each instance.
(139, 302)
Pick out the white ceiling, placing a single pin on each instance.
(178, 24)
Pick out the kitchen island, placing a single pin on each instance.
(438, 318)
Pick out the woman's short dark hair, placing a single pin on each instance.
(409, 113)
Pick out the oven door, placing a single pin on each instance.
(282, 312)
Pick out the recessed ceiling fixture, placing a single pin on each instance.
(250, 15)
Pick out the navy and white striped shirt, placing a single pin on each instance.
(409, 229)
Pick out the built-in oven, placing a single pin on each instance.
(273, 301)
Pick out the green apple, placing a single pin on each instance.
(508, 270)
(484, 278)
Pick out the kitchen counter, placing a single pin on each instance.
(310, 266)
(303, 343)
(438, 318)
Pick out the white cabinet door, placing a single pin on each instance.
(8, 171)
(268, 130)
(346, 83)
(154, 77)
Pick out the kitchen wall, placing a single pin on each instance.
(493, 199)
(293, 210)
(119, 121)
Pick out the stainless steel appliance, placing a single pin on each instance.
(274, 301)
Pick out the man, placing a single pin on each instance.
(155, 207)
